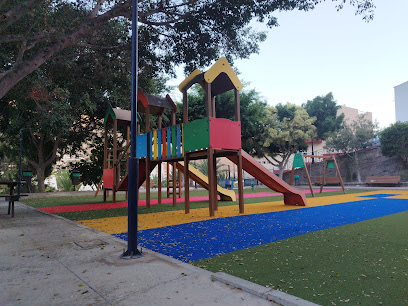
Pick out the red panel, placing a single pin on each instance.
(225, 134)
(107, 178)
(142, 98)
(164, 144)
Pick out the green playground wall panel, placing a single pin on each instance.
(196, 135)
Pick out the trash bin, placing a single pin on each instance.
(297, 180)
(75, 177)
(27, 175)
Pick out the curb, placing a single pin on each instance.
(261, 291)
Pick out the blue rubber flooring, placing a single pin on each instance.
(204, 239)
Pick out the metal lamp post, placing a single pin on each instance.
(132, 251)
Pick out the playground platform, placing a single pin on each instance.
(46, 259)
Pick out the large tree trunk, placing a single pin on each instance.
(41, 179)
(357, 167)
(44, 158)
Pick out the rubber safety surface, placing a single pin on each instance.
(208, 238)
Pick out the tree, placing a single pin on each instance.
(91, 168)
(324, 108)
(353, 137)
(287, 127)
(60, 104)
(173, 32)
(202, 166)
(394, 140)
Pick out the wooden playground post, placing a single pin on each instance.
(179, 184)
(168, 179)
(159, 166)
(174, 179)
(301, 164)
(308, 178)
(240, 184)
(148, 149)
(115, 148)
(323, 181)
(239, 164)
(237, 103)
(208, 99)
(338, 174)
(186, 185)
(213, 105)
(211, 190)
(215, 183)
(185, 106)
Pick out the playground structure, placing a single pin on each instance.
(207, 138)
(329, 163)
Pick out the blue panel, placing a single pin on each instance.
(141, 146)
(168, 142)
(159, 139)
(178, 140)
(150, 145)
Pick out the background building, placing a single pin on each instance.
(401, 102)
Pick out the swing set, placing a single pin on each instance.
(329, 163)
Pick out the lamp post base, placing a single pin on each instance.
(131, 254)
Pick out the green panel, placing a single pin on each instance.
(76, 174)
(173, 141)
(196, 135)
(27, 173)
(109, 112)
(330, 164)
(298, 161)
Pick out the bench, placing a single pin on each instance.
(383, 180)
(330, 180)
(11, 198)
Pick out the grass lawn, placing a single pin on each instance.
(361, 263)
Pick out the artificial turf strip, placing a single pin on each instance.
(204, 239)
(78, 200)
(99, 206)
(363, 263)
(122, 212)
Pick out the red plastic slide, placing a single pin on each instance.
(292, 196)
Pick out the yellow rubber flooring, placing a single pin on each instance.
(117, 225)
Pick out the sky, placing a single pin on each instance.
(313, 53)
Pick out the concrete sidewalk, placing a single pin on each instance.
(46, 259)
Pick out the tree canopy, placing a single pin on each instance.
(60, 104)
(324, 108)
(353, 137)
(394, 140)
(172, 32)
(287, 127)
